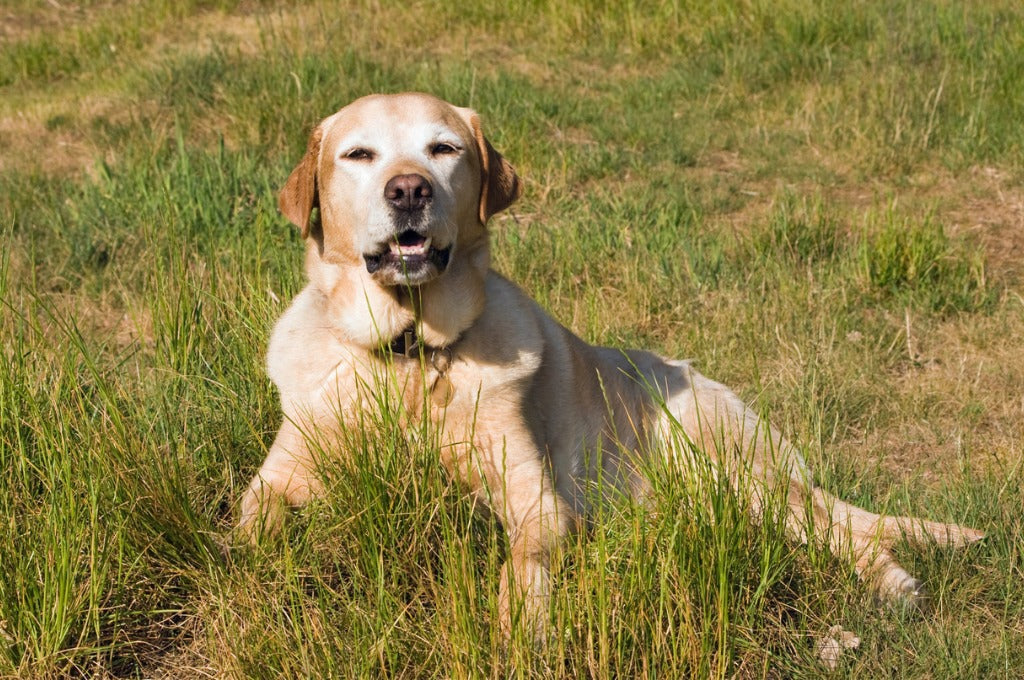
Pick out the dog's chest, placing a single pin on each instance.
(421, 386)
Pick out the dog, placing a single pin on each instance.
(393, 196)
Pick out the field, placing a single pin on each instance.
(822, 203)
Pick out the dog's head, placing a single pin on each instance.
(400, 182)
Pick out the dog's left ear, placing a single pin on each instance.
(299, 195)
(499, 183)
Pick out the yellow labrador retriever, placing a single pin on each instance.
(400, 285)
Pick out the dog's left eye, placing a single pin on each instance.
(443, 149)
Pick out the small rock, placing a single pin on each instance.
(831, 647)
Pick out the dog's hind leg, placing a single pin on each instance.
(715, 421)
(868, 538)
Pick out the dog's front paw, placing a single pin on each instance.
(261, 513)
(524, 596)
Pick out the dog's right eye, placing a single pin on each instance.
(359, 154)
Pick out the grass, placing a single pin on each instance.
(822, 204)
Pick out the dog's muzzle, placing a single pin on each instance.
(410, 257)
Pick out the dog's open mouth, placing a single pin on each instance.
(410, 254)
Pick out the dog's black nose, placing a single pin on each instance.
(408, 192)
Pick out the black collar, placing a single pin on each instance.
(407, 344)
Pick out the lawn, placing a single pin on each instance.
(821, 203)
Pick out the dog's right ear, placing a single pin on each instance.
(299, 195)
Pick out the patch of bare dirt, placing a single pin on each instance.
(19, 23)
(985, 203)
(183, 663)
(990, 207)
(51, 129)
(962, 401)
(52, 137)
(114, 323)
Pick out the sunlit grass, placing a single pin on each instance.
(816, 203)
